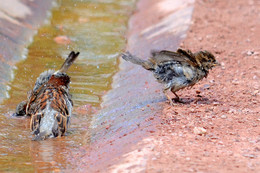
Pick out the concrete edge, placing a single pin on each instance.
(19, 21)
(128, 115)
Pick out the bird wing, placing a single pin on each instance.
(56, 96)
(60, 104)
(34, 100)
(61, 126)
(35, 123)
(37, 102)
(181, 56)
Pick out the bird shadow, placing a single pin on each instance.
(198, 100)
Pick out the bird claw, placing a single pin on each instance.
(178, 100)
(171, 103)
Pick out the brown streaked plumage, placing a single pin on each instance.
(49, 103)
(176, 70)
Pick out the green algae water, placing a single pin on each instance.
(96, 29)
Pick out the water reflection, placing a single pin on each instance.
(96, 29)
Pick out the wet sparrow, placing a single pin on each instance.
(49, 103)
(176, 70)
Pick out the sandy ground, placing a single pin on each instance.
(219, 131)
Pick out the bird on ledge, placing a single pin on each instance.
(176, 70)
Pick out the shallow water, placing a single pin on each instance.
(96, 29)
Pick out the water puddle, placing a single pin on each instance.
(96, 28)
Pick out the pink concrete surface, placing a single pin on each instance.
(128, 116)
(19, 21)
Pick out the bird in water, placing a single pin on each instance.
(49, 103)
(176, 70)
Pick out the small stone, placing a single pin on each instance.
(206, 86)
(255, 92)
(251, 156)
(257, 149)
(83, 20)
(154, 158)
(222, 65)
(255, 77)
(236, 140)
(232, 111)
(220, 143)
(62, 39)
(223, 116)
(249, 53)
(240, 121)
(209, 36)
(199, 130)
(215, 103)
(235, 82)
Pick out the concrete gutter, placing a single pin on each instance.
(19, 21)
(120, 132)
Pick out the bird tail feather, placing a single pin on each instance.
(71, 58)
(135, 60)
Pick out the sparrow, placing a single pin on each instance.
(49, 103)
(176, 70)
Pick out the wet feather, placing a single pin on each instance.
(49, 103)
(176, 70)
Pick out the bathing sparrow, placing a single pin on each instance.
(49, 103)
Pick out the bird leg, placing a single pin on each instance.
(177, 98)
(168, 97)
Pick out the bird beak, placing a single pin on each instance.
(216, 64)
